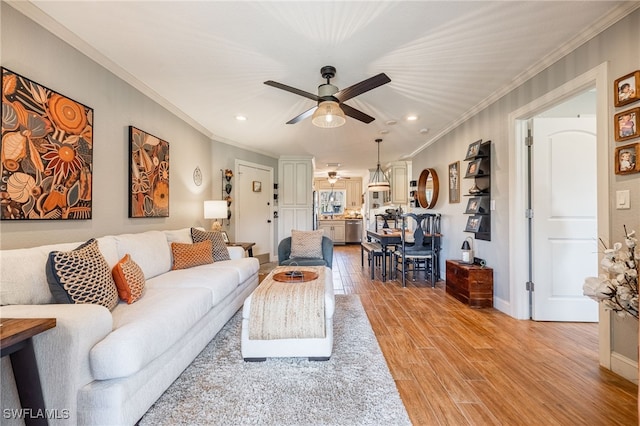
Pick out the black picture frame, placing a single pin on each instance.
(473, 224)
(473, 205)
(473, 150)
(474, 168)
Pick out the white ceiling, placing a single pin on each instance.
(207, 61)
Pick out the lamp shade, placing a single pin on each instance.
(328, 115)
(379, 187)
(215, 209)
(467, 251)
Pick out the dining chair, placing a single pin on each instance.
(418, 250)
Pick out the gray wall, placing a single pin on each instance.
(30, 50)
(619, 46)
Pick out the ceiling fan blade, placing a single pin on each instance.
(363, 86)
(357, 114)
(292, 90)
(307, 113)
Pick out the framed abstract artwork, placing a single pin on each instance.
(47, 153)
(148, 175)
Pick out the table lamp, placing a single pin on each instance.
(467, 250)
(215, 209)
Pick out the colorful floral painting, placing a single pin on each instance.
(46, 153)
(149, 175)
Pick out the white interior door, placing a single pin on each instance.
(564, 226)
(254, 222)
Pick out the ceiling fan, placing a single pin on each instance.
(331, 109)
(335, 175)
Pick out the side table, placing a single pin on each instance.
(470, 284)
(15, 341)
(248, 247)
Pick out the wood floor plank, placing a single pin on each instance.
(454, 365)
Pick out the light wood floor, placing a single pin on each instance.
(459, 366)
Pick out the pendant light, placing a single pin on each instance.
(379, 182)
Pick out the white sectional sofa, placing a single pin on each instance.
(101, 367)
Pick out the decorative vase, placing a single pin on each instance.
(475, 190)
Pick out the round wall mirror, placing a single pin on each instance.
(428, 188)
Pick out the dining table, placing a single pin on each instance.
(391, 237)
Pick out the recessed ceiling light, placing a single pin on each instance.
(391, 122)
(412, 117)
(424, 131)
(241, 117)
(384, 131)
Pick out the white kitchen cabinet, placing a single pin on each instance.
(354, 193)
(295, 195)
(398, 174)
(333, 229)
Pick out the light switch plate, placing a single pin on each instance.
(622, 200)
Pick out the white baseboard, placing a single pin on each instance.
(502, 305)
(624, 367)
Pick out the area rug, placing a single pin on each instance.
(354, 387)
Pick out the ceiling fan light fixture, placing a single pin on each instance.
(328, 115)
(379, 182)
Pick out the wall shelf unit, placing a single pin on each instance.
(479, 196)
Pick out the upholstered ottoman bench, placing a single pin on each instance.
(290, 318)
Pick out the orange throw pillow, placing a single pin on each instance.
(129, 279)
(190, 255)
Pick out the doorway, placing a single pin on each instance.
(254, 208)
(522, 301)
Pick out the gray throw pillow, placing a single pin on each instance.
(306, 244)
(218, 246)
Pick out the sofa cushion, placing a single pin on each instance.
(179, 236)
(23, 279)
(149, 249)
(81, 275)
(306, 244)
(219, 248)
(129, 279)
(245, 267)
(190, 255)
(146, 329)
(220, 282)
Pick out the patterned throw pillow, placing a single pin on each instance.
(306, 244)
(129, 279)
(190, 255)
(218, 248)
(81, 276)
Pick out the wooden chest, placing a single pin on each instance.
(470, 284)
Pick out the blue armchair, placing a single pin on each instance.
(284, 252)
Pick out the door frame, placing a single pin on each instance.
(268, 187)
(518, 239)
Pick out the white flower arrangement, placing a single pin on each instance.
(618, 288)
